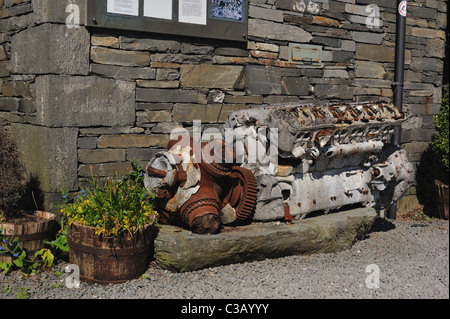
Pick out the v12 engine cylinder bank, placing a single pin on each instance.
(283, 162)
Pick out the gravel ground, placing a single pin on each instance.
(412, 258)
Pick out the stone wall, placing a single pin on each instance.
(77, 98)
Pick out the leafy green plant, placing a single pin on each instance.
(114, 207)
(59, 244)
(6, 290)
(22, 293)
(42, 258)
(440, 141)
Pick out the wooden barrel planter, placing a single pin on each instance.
(109, 260)
(30, 233)
(442, 192)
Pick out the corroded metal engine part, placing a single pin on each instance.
(286, 162)
(196, 189)
(328, 156)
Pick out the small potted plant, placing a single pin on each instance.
(23, 232)
(440, 147)
(110, 228)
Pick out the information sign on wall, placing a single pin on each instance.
(219, 19)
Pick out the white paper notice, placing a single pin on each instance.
(127, 7)
(193, 11)
(161, 9)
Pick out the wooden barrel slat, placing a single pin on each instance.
(443, 199)
(30, 235)
(106, 261)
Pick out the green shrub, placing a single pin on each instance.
(115, 207)
(440, 141)
(12, 175)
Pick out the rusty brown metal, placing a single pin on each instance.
(221, 183)
(246, 185)
(287, 214)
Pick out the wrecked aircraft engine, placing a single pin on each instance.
(328, 157)
(283, 161)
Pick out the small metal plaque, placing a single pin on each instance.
(305, 54)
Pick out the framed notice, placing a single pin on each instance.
(159, 9)
(192, 11)
(217, 19)
(233, 10)
(123, 7)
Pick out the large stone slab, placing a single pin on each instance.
(76, 101)
(180, 250)
(50, 155)
(51, 48)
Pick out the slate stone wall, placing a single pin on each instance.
(78, 97)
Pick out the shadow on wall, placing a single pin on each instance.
(429, 170)
(32, 198)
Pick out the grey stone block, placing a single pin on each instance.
(152, 45)
(342, 56)
(105, 169)
(50, 154)
(141, 154)
(375, 52)
(329, 42)
(89, 142)
(75, 101)
(368, 69)
(263, 80)
(427, 64)
(179, 250)
(101, 156)
(265, 13)
(188, 48)
(295, 86)
(303, 6)
(277, 31)
(186, 113)
(421, 12)
(123, 73)
(17, 23)
(165, 95)
(55, 10)
(211, 76)
(109, 56)
(4, 69)
(335, 73)
(51, 48)
(333, 91)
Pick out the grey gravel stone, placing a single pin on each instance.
(412, 257)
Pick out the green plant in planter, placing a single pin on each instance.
(440, 141)
(114, 207)
(12, 188)
(42, 258)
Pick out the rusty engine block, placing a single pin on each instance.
(283, 162)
